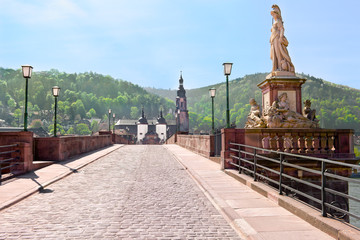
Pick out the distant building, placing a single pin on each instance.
(154, 131)
(181, 112)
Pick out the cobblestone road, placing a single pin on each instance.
(136, 192)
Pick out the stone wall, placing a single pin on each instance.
(61, 148)
(24, 141)
(202, 144)
(122, 139)
(171, 140)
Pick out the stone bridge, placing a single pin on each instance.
(151, 192)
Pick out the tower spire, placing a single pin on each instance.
(181, 80)
(181, 92)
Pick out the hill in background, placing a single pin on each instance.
(83, 96)
(337, 106)
(88, 96)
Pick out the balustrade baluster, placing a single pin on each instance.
(301, 144)
(295, 143)
(316, 143)
(308, 143)
(280, 143)
(273, 142)
(287, 142)
(266, 141)
(323, 143)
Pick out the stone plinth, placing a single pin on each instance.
(276, 84)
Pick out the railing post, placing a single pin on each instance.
(255, 178)
(323, 193)
(281, 172)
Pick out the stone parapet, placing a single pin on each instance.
(61, 148)
(122, 139)
(172, 139)
(24, 141)
(202, 144)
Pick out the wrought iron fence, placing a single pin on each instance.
(7, 160)
(322, 183)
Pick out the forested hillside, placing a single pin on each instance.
(337, 106)
(88, 96)
(82, 96)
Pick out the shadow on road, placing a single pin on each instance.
(33, 177)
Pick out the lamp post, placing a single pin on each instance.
(114, 122)
(177, 120)
(26, 71)
(227, 72)
(55, 92)
(212, 92)
(109, 118)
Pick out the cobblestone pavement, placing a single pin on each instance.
(136, 192)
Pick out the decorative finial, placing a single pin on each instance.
(181, 80)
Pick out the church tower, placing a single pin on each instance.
(182, 115)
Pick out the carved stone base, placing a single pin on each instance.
(280, 73)
(279, 82)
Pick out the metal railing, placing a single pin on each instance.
(7, 162)
(313, 185)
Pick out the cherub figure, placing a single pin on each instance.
(254, 119)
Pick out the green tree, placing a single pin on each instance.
(11, 103)
(71, 131)
(3, 91)
(80, 108)
(17, 115)
(94, 126)
(91, 113)
(134, 113)
(36, 123)
(206, 124)
(82, 129)
(59, 129)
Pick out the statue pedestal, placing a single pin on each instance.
(279, 82)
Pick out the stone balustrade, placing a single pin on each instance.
(325, 143)
(300, 142)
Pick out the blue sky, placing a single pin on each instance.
(148, 42)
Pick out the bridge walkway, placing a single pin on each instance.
(141, 192)
(134, 192)
(252, 214)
